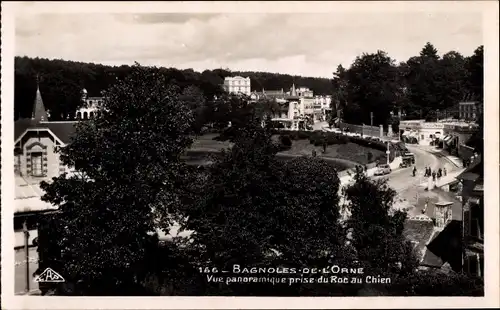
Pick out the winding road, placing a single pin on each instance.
(402, 180)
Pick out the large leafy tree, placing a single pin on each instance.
(372, 87)
(255, 210)
(424, 81)
(453, 78)
(475, 69)
(376, 229)
(128, 183)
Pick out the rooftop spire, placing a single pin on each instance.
(39, 113)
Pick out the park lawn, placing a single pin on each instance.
(349, 151)
(207, 143)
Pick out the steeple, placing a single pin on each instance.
(39, 113)
(294, 93)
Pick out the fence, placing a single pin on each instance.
(365, 130)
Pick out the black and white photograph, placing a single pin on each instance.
(259, 153)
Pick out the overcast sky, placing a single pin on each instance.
(308, 44)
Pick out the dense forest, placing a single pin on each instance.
(424, 86)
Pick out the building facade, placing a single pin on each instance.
(237, 85)
(36, 159)
(472, 183)
(451, 134)
(469, 110)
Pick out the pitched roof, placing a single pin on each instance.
(448, 245)
(21, 125)
(63, 130)
(430, 259)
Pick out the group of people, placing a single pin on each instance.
(434, 174)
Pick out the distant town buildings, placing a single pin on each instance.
(452, 133)
(300, 103)
(469, 110)
(237, 85)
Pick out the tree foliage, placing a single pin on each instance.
(377, 229)
(418, 87)
(128, 182)
(372, 85)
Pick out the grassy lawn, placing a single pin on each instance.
(351, 153)
(206, 143)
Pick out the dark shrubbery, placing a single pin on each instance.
(369, 156)
(303, 135)
(285, 142)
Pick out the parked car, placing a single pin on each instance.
(383, 170)
(405, 164)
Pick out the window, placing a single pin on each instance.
(91, 102)
(85, 115)
(36, 164)
(91, 116)
(31, 222)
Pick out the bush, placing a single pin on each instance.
(319, 141)
(343, 139)
(293, 135)
(303, 135)
(286, 142)
(369, 156)
(331, 140)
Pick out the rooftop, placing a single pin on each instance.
(63, 129)
(447, 245)
(28, 196)
(419, 231)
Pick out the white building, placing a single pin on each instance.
(237, 85)
(427, 132)
(90, 109)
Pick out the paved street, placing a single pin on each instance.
(407, 186)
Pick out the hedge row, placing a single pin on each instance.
(319, 137)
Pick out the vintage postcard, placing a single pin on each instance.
(248, 154)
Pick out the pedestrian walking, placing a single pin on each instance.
(425, 171)
(444, 171)
(433, 175)
(425, 206)
(440, 173)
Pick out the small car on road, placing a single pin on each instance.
(383, 170)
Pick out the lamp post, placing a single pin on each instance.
(26, 252)
(388, 152)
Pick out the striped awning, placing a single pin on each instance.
(450, 140)
(446, 138)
